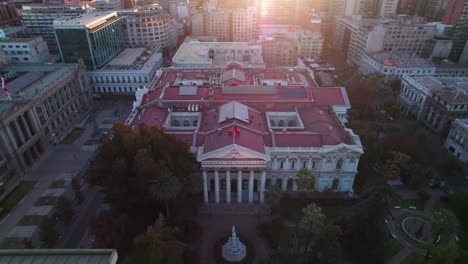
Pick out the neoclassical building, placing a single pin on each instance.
(250, 128)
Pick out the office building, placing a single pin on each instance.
(24, 50)
(9, 14)
(279, 50)
(38, 19)
(102, 5)
(387, 8)
(43, 104)
(131, 69)
(252, 128)
(244, 24)
(95, 38)
(214, 55)
(148, 25)
(457, 139)
(456, 15)
(355, 36)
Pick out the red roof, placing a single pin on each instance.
(320, 126)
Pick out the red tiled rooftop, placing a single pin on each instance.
(329, 96)
(245, 138)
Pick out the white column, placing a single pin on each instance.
(310, 163)
(216, 186)
(262, 186)
(205, 187)
(251, 185)
(294, 185)
(275, 164)
(286, 164)
(284, 184)
(228, 186)
(239, 186)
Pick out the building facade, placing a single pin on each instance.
(456, 15)
(356, 36)
(251, 128)
(38, 19)
(457, 140)
(130, 70)
(280, 50)
(102, 5)
(213, 55)
(435, 102)
(43, 104)
(25, 50)
(244, 24)
(94, 38)
(9, 14)
(148, 25)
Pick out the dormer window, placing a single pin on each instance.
(176, 123)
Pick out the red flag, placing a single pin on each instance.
(236, 131)
(4, 85)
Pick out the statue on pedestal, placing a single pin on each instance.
(234, 250)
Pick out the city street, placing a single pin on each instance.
(64, 161)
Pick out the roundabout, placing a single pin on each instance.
(417, 229)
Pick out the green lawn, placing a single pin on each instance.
(418, 203)
(30, 220)
(15, 196)
(47, 200)
(413, 259)
(72, 136)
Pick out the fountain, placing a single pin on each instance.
(234, 250)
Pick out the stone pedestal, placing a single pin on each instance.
(234, 250)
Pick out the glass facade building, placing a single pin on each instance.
(95, 43)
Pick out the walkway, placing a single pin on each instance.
(409, 248)
(217, 221)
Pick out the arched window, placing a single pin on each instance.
(279, 182)
(195, 122)
(186, 123)
(175, 123)
(291, 123)
(281, 123)
(267, 182)
(339, 164)
(290, 184)
(272, 123)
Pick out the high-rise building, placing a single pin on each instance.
(101, 5)
(456, 15)
(38, 19)
(387, 8)
(95, 37)
(404, 33)
(432, 10)
(148, 25)
(9, 15)
(218, 23)
(25, 50)
(244, 24)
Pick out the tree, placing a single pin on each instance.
(305, 180)
(458, 204)
(65, 209)
(157, 245)
(392, 107)
(327, 247)
(444, 222)
(312, 223)
(396, 165)
(164, 188)
(446, 253)
(47, 232)
(75, 183)
(273, 196)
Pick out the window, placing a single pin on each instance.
(314, 164)
(281, 165)
(339, 164)
(304, 164)
(293, 164)
(335, 184)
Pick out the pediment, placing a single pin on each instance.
(232, 152)
(344, 148)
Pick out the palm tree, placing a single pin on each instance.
(312, 222)
(159, 244)
(164, 188)
(305, 179)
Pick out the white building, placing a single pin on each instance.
(388, 8)
(25, 50)
(148, 25)
(251, 128)
(102, 5)
(457, 140)
(393, 65)
(212, 55)
(131, 69)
